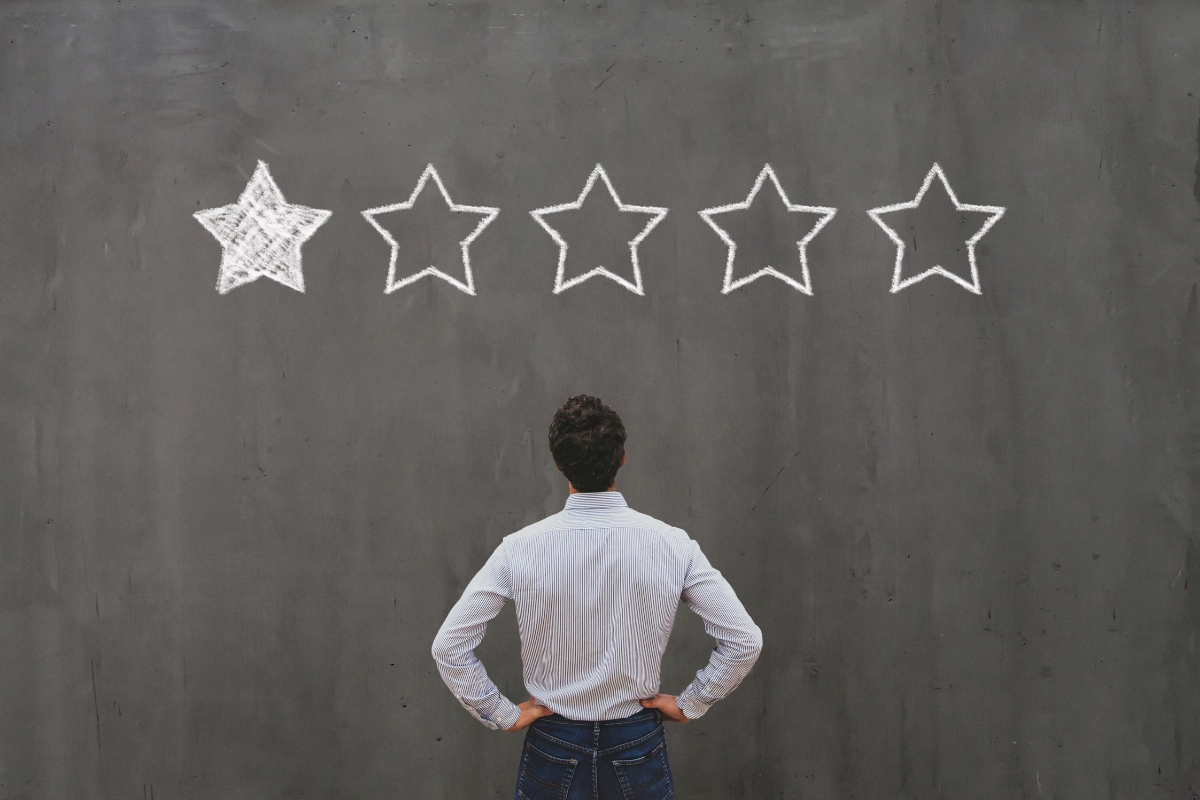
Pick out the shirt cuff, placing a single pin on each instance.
(690, 708)
(507, 715)
(504, 717)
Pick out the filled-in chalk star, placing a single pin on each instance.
(655, 213)
(824, 214)
(898, 281)
(261, 234)
(486, 213)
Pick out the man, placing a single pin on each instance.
(596, 588)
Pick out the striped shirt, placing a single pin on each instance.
(596, 588)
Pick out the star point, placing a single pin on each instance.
(656, 216)
(805, 284)
(898, 282)
(488, 214)
(261, 234)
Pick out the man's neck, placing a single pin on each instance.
(572, 490)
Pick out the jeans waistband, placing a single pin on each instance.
(640, 716)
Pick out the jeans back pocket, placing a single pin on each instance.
(647, 777)
(543, 776)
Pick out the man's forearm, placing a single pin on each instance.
(493, 709)
(730, 663)
(465, 676)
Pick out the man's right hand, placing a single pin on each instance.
(667, 704)
(531, 712)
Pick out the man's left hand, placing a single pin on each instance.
(668, 705)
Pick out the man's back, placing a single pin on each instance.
(596, 589)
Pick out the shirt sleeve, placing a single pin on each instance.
(454, 646)
(739, 640)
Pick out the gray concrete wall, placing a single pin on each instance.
(231, 524)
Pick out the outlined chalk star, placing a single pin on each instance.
(656, 216)
(261, 234)
(994, 212)
(805, 284)
(488, 213)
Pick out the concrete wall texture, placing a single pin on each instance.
(967, 524)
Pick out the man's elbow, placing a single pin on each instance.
(749, 645)
(441, 649)
(743, 647)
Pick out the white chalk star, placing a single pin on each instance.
(803, 285)
(488, 213)
(996, 213)
(656, 213)
(261, 234)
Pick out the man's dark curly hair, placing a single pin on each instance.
(587, 440)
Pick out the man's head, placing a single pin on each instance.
(587, 441)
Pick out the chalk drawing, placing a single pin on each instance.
(261, 234)
(996, 213)
(487, 212)
(803, 285)
(656, 213)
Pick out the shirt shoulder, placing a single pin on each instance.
(551, 523)
(640, 520)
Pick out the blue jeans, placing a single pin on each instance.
(620, 759)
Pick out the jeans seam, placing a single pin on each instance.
(596, 761)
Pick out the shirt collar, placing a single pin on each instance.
(595, 502)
